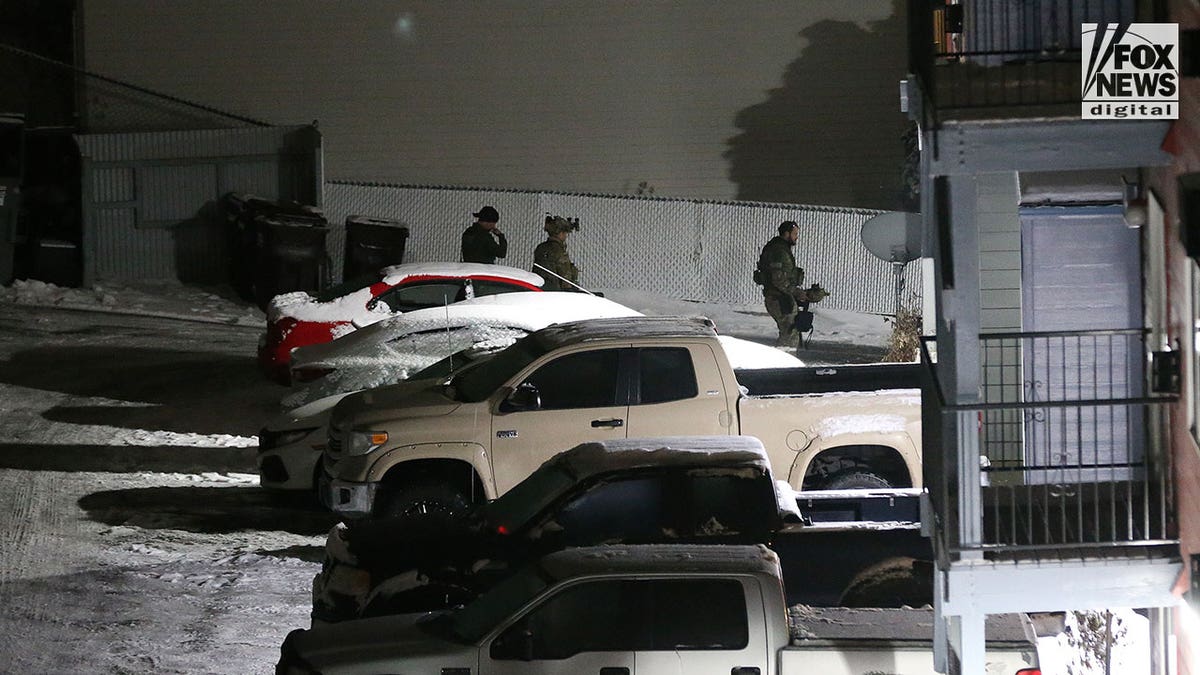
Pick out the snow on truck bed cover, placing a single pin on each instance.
(660, 558)
(589, 458)
(905, 624)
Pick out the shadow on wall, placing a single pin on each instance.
(833, 133)
(202, 247)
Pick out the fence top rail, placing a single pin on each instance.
(1074, 403)
(984, 337)
(823, 208)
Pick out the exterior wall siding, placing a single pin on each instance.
(686, 249)
(697, 99)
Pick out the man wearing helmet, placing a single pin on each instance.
(781, 278)
(551, 260)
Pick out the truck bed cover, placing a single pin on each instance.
(827, 379)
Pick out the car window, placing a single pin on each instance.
(421, 296)
(631, 615)
(479, 383)
(719, 506)
(666, 374)
(690, 614)
(484, 287)
(631, 510)
(579, 380)
(594, 616)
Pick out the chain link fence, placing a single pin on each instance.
(684, 249)
(104, 104)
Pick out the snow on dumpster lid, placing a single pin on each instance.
(659, 559)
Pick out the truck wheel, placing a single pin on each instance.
(893, 582)
(853, 479)
(436, 500)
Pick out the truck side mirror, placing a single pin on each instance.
(524, 397)
(515, 643)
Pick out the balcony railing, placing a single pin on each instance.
(1002, 59)
(1062, 456)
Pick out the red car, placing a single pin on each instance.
(300, 318)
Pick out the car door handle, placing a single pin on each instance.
(608, 423)
(744, 670)
(610, 670)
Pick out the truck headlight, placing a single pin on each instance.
(362, 442)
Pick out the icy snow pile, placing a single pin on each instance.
(170, 299)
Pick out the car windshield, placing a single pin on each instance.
(455, 363)
(527, 498)
(347, 287)
(480, 382)
(473, 621)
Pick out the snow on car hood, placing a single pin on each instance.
(312, 414)
(528, 310)
(392, 349)
(351, 307)
(398, 401)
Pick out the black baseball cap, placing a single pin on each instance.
(488, 215)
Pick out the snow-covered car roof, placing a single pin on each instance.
(395, 274)
(563, 334)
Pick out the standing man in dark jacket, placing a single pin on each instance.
(483, 242)
(781, 279)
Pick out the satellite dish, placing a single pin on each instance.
(893, 237)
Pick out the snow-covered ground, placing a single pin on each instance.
(135, 536)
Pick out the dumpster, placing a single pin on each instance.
(371, 244)
(58, 262)
(242, 214)
(290, 256)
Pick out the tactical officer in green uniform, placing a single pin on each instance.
(551, 259)
(781, 279)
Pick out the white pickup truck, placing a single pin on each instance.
(639, 610)
(395, 451)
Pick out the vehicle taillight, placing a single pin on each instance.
(1029, 671)
(501, 529)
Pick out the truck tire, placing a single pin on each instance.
(433, 500)
(893, 582)
(851, 479)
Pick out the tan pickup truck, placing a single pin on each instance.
(399, 450)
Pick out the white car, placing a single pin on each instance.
(290, 445)
(387, 351)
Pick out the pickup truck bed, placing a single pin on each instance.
(826, 379)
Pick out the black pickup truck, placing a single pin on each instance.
(700, 489)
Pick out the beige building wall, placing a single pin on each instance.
(774, 100)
